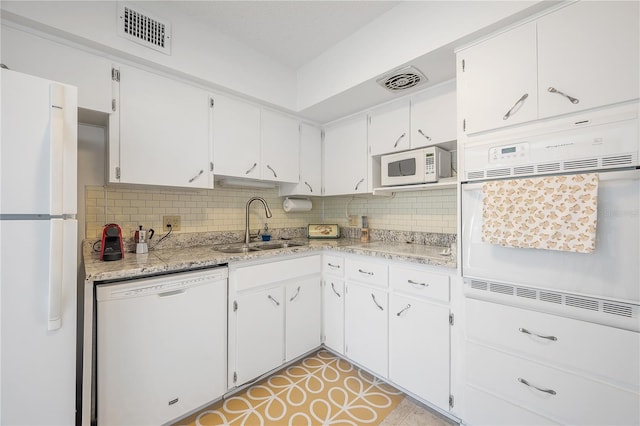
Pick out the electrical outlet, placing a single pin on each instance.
(353, 220)
(174, 221)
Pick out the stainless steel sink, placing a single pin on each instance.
(235, 249)
(244, 248)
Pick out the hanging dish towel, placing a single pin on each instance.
(552, 212)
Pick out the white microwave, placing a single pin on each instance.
(414, 167)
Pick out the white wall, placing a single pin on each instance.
(197, 51)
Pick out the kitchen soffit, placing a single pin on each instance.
(291, 32)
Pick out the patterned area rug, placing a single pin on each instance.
(321, 389)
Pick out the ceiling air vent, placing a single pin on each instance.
(143, 28)
(402, 79)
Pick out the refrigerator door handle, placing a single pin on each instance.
(56, 135)
(56, 251)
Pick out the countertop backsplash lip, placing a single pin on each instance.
(184, 251)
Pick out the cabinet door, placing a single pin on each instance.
(164, 131)
(389, 129)
(310, 164)
(30, 54)
(366, 327)
(236, 138)
(333, 314)
(259, 333)
(280, 147)
(303, 316)
(433, 116)
(419, 348)
(498, 80)
(345, 158)
(589, 51)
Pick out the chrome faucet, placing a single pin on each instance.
(247, 235)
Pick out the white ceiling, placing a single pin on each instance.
(291, 32)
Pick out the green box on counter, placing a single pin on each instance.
(323, 230)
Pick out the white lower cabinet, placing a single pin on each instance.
(333, 314)
(545, 369)
(419, 348)
(303, 318)
(274, 315)
(259, 333)
(366, 327)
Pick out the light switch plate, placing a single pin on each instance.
(353, 220)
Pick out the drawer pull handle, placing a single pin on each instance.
(334, 290)
(395, 145)
(404, 309)
(295, 295)
(376, 302)
(571, 98)
(412, 282)
(273, 300)
(524, 382)
(515, 106)
(525, 331)
(333, 266)
(365, 272)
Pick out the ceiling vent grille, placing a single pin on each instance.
(402, 79)
(143, 28)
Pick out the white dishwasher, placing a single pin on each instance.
(161, 346)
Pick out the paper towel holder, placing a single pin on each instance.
(296, 204)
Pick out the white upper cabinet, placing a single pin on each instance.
(345, 157)
(310, 182)
(433, 116)
(163, 136)
(389, 128)
(497, 80)
(236, 138)
(30, 54)
(280, 147)
(588, 51)
(581, 56)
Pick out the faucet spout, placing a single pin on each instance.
(267, 211)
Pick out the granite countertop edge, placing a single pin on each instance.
(174, 260)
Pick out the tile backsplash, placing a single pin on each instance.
(223, 209)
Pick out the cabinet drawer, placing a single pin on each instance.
(419, 283)
(247, 277)
(368, 272)
(607, 352)
(482, 408)
(333, 265)
(564, 397)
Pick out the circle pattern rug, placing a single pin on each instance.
(321, 389)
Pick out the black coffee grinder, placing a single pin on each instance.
(112, 247)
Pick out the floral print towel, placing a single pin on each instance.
(552, 212)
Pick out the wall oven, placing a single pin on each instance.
(602, 286)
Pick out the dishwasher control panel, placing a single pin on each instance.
(161, 285)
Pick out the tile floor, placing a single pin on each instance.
(412, 413)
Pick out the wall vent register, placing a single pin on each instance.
(402, 79)
(142, 28)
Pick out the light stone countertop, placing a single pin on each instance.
(181, 259)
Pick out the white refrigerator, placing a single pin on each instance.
(38, 251)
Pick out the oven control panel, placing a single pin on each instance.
(509, 153)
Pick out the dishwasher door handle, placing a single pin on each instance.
(172, 293)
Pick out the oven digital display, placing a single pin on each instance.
(508, 150)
